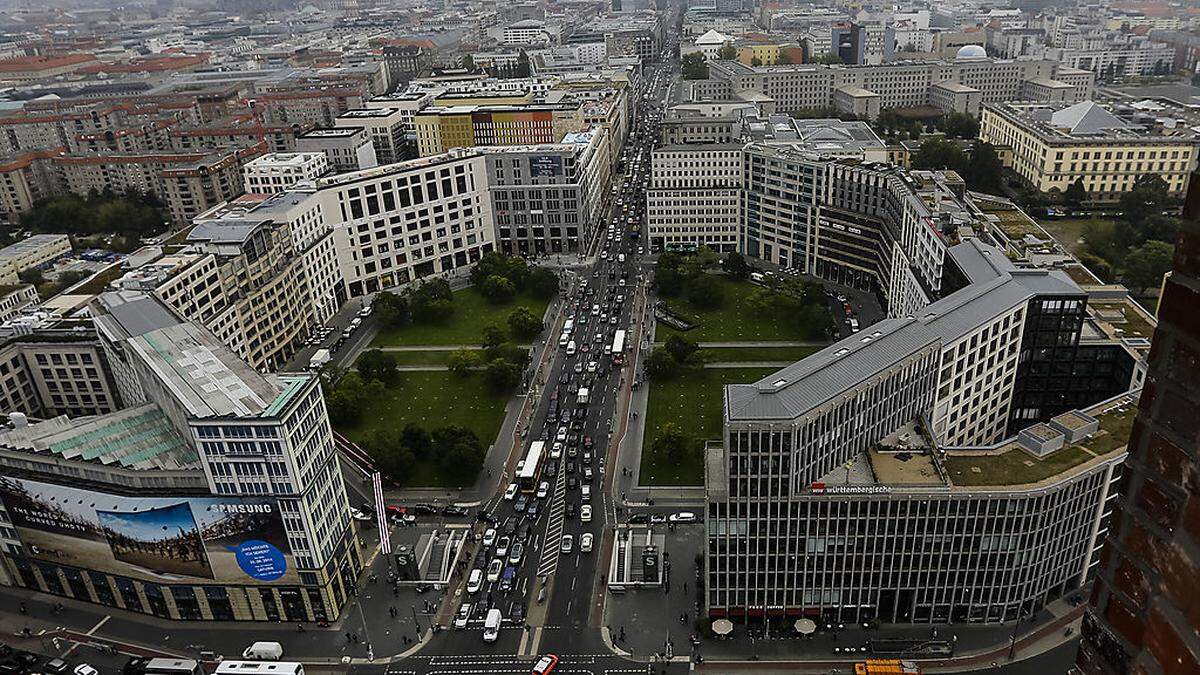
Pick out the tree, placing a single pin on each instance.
(392, 458)
(1075, 194)
(431, 301)
(937, 153)
(523, 69)
(1147, 197)
(515, 269)
(523, 323)
(502, 375)
(660, 365)
(463, 360)
(468, 62)
(460, 454)
(694, 67)
(681, 349)
(1146, 265)
(416, 438)
(507, 351)
(829, 58)
(391, 310)
(755, 61)
(727, 52)
(377, 365)
(542, 282)
(493, 336)
(672, 443)
(668, 278)
(785, 57)
(703, 260)
(735, 265)
(1098, 266)
(704, 291)
(32, 275)
(498, 290)
(960, 125)
(983, 171)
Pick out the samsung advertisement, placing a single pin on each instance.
(236, 540)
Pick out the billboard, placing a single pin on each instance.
(161, 539)
(546, 166)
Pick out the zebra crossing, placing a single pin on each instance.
(555, 522)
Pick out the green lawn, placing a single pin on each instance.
(433, 400)
(735, 320)
(736, 354)
(471, 313)
(1069, 231)
(1012, 467)
(693, 401)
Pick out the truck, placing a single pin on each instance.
(319, 358)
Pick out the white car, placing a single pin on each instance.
(489, 537)
(567, 545)
(494, 569)
(464, 614)
(585, 543)
(543, 490)
(358, 515)
(561, 436)
(585, 513)
(682, 517)
(475, 582)
(511, 492)
(85, 669)
(555, 451)
(502, 546)
(591, 367)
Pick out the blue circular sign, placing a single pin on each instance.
(259, 559)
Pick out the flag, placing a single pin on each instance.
(385, 540)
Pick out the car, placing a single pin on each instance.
(358, 515)
(489, 537)
(587, 456)
(517, 615)
(475, 581)
(682, 517)
(570, 509)
(85, 669)
(572, 482)
(453, 510)
(567, 545)
(464, 615)
(493, 569)
(502, 546)
(587, 473)
(562, 433)
(638, 519)
(485, 517)
(585, 542)
(578, 368)
(556, 450)
(657, 518)
(510, 493)
(522, 502)
(514, 556)
(543, 490)
(56, 666)
(614, 320)
(573, 452)
(532, 511)
(585, 513)
(426, 509)
(587, 441)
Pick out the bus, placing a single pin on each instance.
(531, 467)
(259, 668)
(618, 347)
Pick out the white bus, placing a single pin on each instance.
(618, 347)
(531, 467)
(259, 668)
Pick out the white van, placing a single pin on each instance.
(570, 348)
(476, 581)
(491, 626)
(264, 651)
(585, 492)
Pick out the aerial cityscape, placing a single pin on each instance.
(459, 337)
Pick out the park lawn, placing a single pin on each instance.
(735, 320)
(1069, 231)
(738, 354)
(465, 327)
(433, 400)
(693, 401)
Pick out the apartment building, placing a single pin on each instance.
(277, 171)
(549, 198)
(236, 131)
(27, 69)
(25, 180)
(14, 298)
(897, 85)
(1130, 58)
(1108, 148)
(318, 107)
(53, 372)
(386, 127)
(31, 130)
(241, 462)
(346, 149)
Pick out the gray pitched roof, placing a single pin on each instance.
(1086, 118)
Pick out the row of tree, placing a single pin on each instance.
(676, 355)
(980, 168)
(129, 216)
(1138, 249)
(456, 451)
(500, 277)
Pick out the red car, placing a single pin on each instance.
(545, 665)
(587, 441)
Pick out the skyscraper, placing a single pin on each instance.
(1145, 607)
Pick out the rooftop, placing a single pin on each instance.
(134, 438)
(1089, 120)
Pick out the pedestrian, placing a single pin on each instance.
(348, 638)
(355, 637)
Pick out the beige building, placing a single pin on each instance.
(1055, 144)
(31, 252)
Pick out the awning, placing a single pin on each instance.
(805, 626)
(722, 626)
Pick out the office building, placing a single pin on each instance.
(386, 127)
(1108, 148)
(213, 493)
(1140, 618)
(345, 148)
(466, 126)
(35, 251)
(277, 171)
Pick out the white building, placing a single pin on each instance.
(277, 171)
(386, 127)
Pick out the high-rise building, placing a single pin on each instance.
(1143, 616)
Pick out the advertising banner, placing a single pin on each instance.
(546, 166)
(235, 540)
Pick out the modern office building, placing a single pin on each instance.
(1109, 148)
(953, 462)
(346, 148)
(213, 493)
(386, 128)
(1140, 618)
(277, 171)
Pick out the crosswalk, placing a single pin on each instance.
(555, 521)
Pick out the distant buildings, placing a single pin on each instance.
(1056, 144)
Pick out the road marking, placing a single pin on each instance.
(99, 624)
